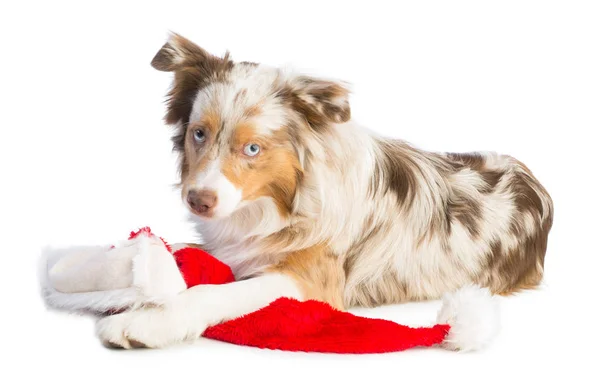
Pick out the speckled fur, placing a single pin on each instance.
(397, 223)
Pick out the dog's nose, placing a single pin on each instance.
(202, 201)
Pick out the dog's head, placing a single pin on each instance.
(240, 127)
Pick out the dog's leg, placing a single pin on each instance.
(190, 313)
(319, 274)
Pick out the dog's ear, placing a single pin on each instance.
(320, 101)
(194, 68)
(179, 53)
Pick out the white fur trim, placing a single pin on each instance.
(99, 279)
(155, 272)
(473, 315)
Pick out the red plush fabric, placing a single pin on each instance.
(313, 326)
(199, 267)
(310, 326)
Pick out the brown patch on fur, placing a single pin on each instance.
(318, 272)
(319, 101)
(467, 211)
(245, 133)
(274, 173)
(521, 266)
(476, 162)
(464, 207)
(401, 170)
(491, 178)
(525, 197)
(392, 173)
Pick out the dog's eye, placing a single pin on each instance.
(251, 149)
(199, 135)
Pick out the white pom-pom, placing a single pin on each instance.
(473, 315)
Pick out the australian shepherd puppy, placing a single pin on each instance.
(303, 202)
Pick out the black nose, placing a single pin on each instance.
(202, 201)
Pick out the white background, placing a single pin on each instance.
(85, 158)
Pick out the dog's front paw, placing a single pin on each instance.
(148, 327)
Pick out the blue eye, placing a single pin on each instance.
(199, 135)
(251, 149)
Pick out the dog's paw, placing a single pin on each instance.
(148, 327)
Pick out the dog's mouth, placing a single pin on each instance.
(205, 214)
(201, 211)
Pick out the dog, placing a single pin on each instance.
(303, 202)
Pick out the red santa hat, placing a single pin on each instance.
(145, 270)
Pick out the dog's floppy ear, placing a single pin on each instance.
(179, 53)
(320, 101)
(194, 68)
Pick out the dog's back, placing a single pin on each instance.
(441, 221)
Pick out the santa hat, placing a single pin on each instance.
(467, 320)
